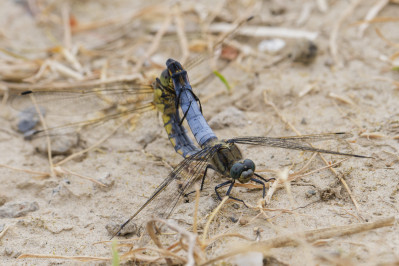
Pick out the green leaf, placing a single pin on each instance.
(223, 79)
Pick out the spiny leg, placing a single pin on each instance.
(262, 183)
(209, 166)
(264, 179)
(185, 114)
(228, 191)
(196, 99)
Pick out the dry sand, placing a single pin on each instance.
(66, 215)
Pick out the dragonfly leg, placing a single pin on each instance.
(264, 179)
(196, 99)
(262, 183)
(203, 179)
(231, 182)
(223, 185)
(184, 116)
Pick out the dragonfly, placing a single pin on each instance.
(91, 96)
(222, 156)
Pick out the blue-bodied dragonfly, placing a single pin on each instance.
(74, 99)
(93, 97)
(223, 156)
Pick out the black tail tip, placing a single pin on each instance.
(26, 92)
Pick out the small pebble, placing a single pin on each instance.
(304, 51)
(28, 119)
(244, 220)
(310, 193)
(14, 210)
(233, 219)
(8, 251)
(107, 180)
(60, 145)
(130, 228)
(230, 117)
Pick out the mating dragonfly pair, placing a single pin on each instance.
(173, 91)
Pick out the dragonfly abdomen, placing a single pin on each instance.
(178, 136)
(198, 125)
(165, 101)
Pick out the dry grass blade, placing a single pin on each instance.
(390, 43)
(2, 233)
(310, 236)
(44, 174)
(211, 217)
(373, 12)
(341, 98)
(334, 33)
(43, 122)
(329, 232)
(195, 218)
(193, 251)
(51, 86)
(215, 238)
(263, 31)
(78, 258)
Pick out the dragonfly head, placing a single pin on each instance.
(242, 171)
(165, 78)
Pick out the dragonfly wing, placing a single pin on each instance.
(319, 137)
(73, 101)
(72, 127)
(167, 195)
(288, 143)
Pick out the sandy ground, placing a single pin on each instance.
(67, 215)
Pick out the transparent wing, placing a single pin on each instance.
(78, 99)
(319, 137)
(167, 195)
(71, 127)
(295, 142)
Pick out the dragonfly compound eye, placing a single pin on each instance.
(236, 170)
(249, 164)
(165, 78)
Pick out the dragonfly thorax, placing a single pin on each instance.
(226, 156)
